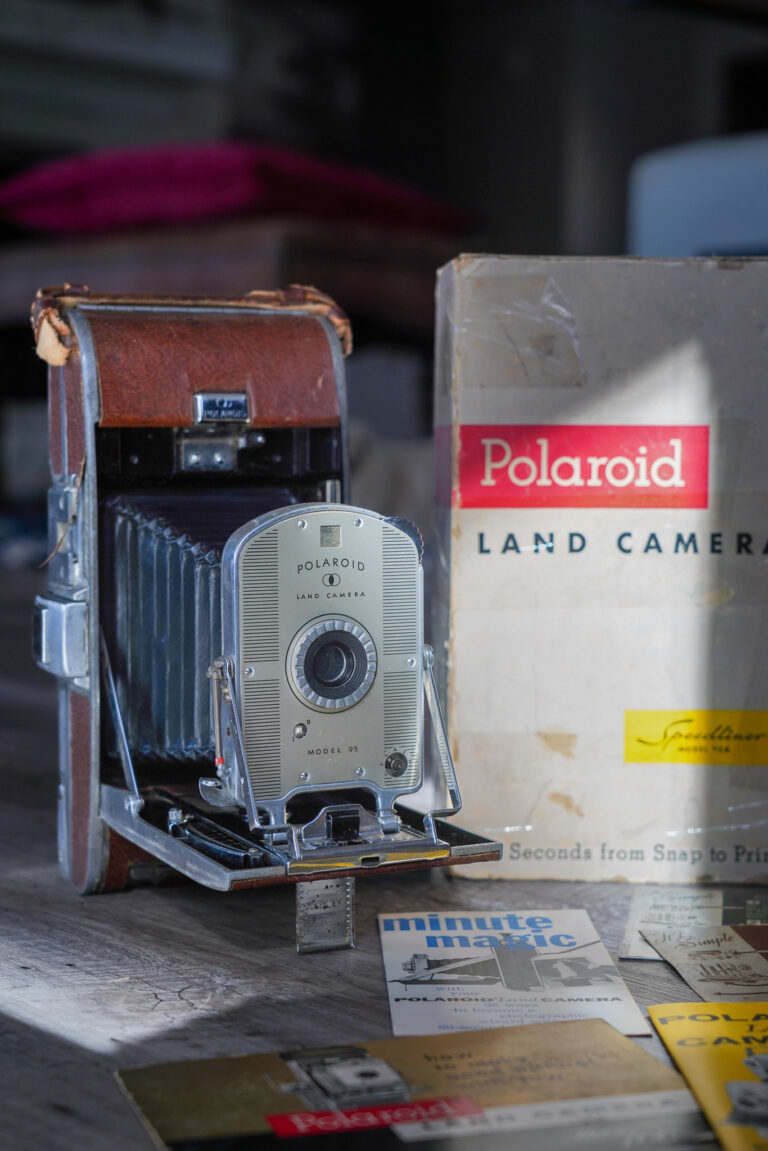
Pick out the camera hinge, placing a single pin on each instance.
(440, 737)
(216, 791)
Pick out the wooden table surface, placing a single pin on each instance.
(89, 984)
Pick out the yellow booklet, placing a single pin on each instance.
(722, 1050)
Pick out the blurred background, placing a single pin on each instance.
(224, 145)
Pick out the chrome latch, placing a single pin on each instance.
(60, 636)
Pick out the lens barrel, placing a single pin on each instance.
(332, 663)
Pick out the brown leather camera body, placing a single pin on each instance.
(171, 397)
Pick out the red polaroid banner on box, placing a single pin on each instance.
(582, 466)
(295, 1123)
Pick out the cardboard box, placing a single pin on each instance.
(600, 605)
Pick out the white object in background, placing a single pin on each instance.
(708, 197)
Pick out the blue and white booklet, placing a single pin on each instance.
(466, 970)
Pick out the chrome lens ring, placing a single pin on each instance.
(332, 663)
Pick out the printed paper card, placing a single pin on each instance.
(576, 1084)
(722, 1050)
(463, 970)
(658, 906)
(717, 962)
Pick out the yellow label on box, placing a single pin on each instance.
(728, 738)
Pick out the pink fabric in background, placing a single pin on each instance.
(139, 187)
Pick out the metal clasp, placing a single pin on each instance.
(60, 636)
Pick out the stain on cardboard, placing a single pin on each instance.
(566, 802)
(717, 597)
(528, 338)
(561, 742)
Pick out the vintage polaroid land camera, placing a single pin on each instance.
(239, 653)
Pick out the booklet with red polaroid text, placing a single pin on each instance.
(579, 1084)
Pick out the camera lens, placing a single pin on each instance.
(335, 664)
(332, 664)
